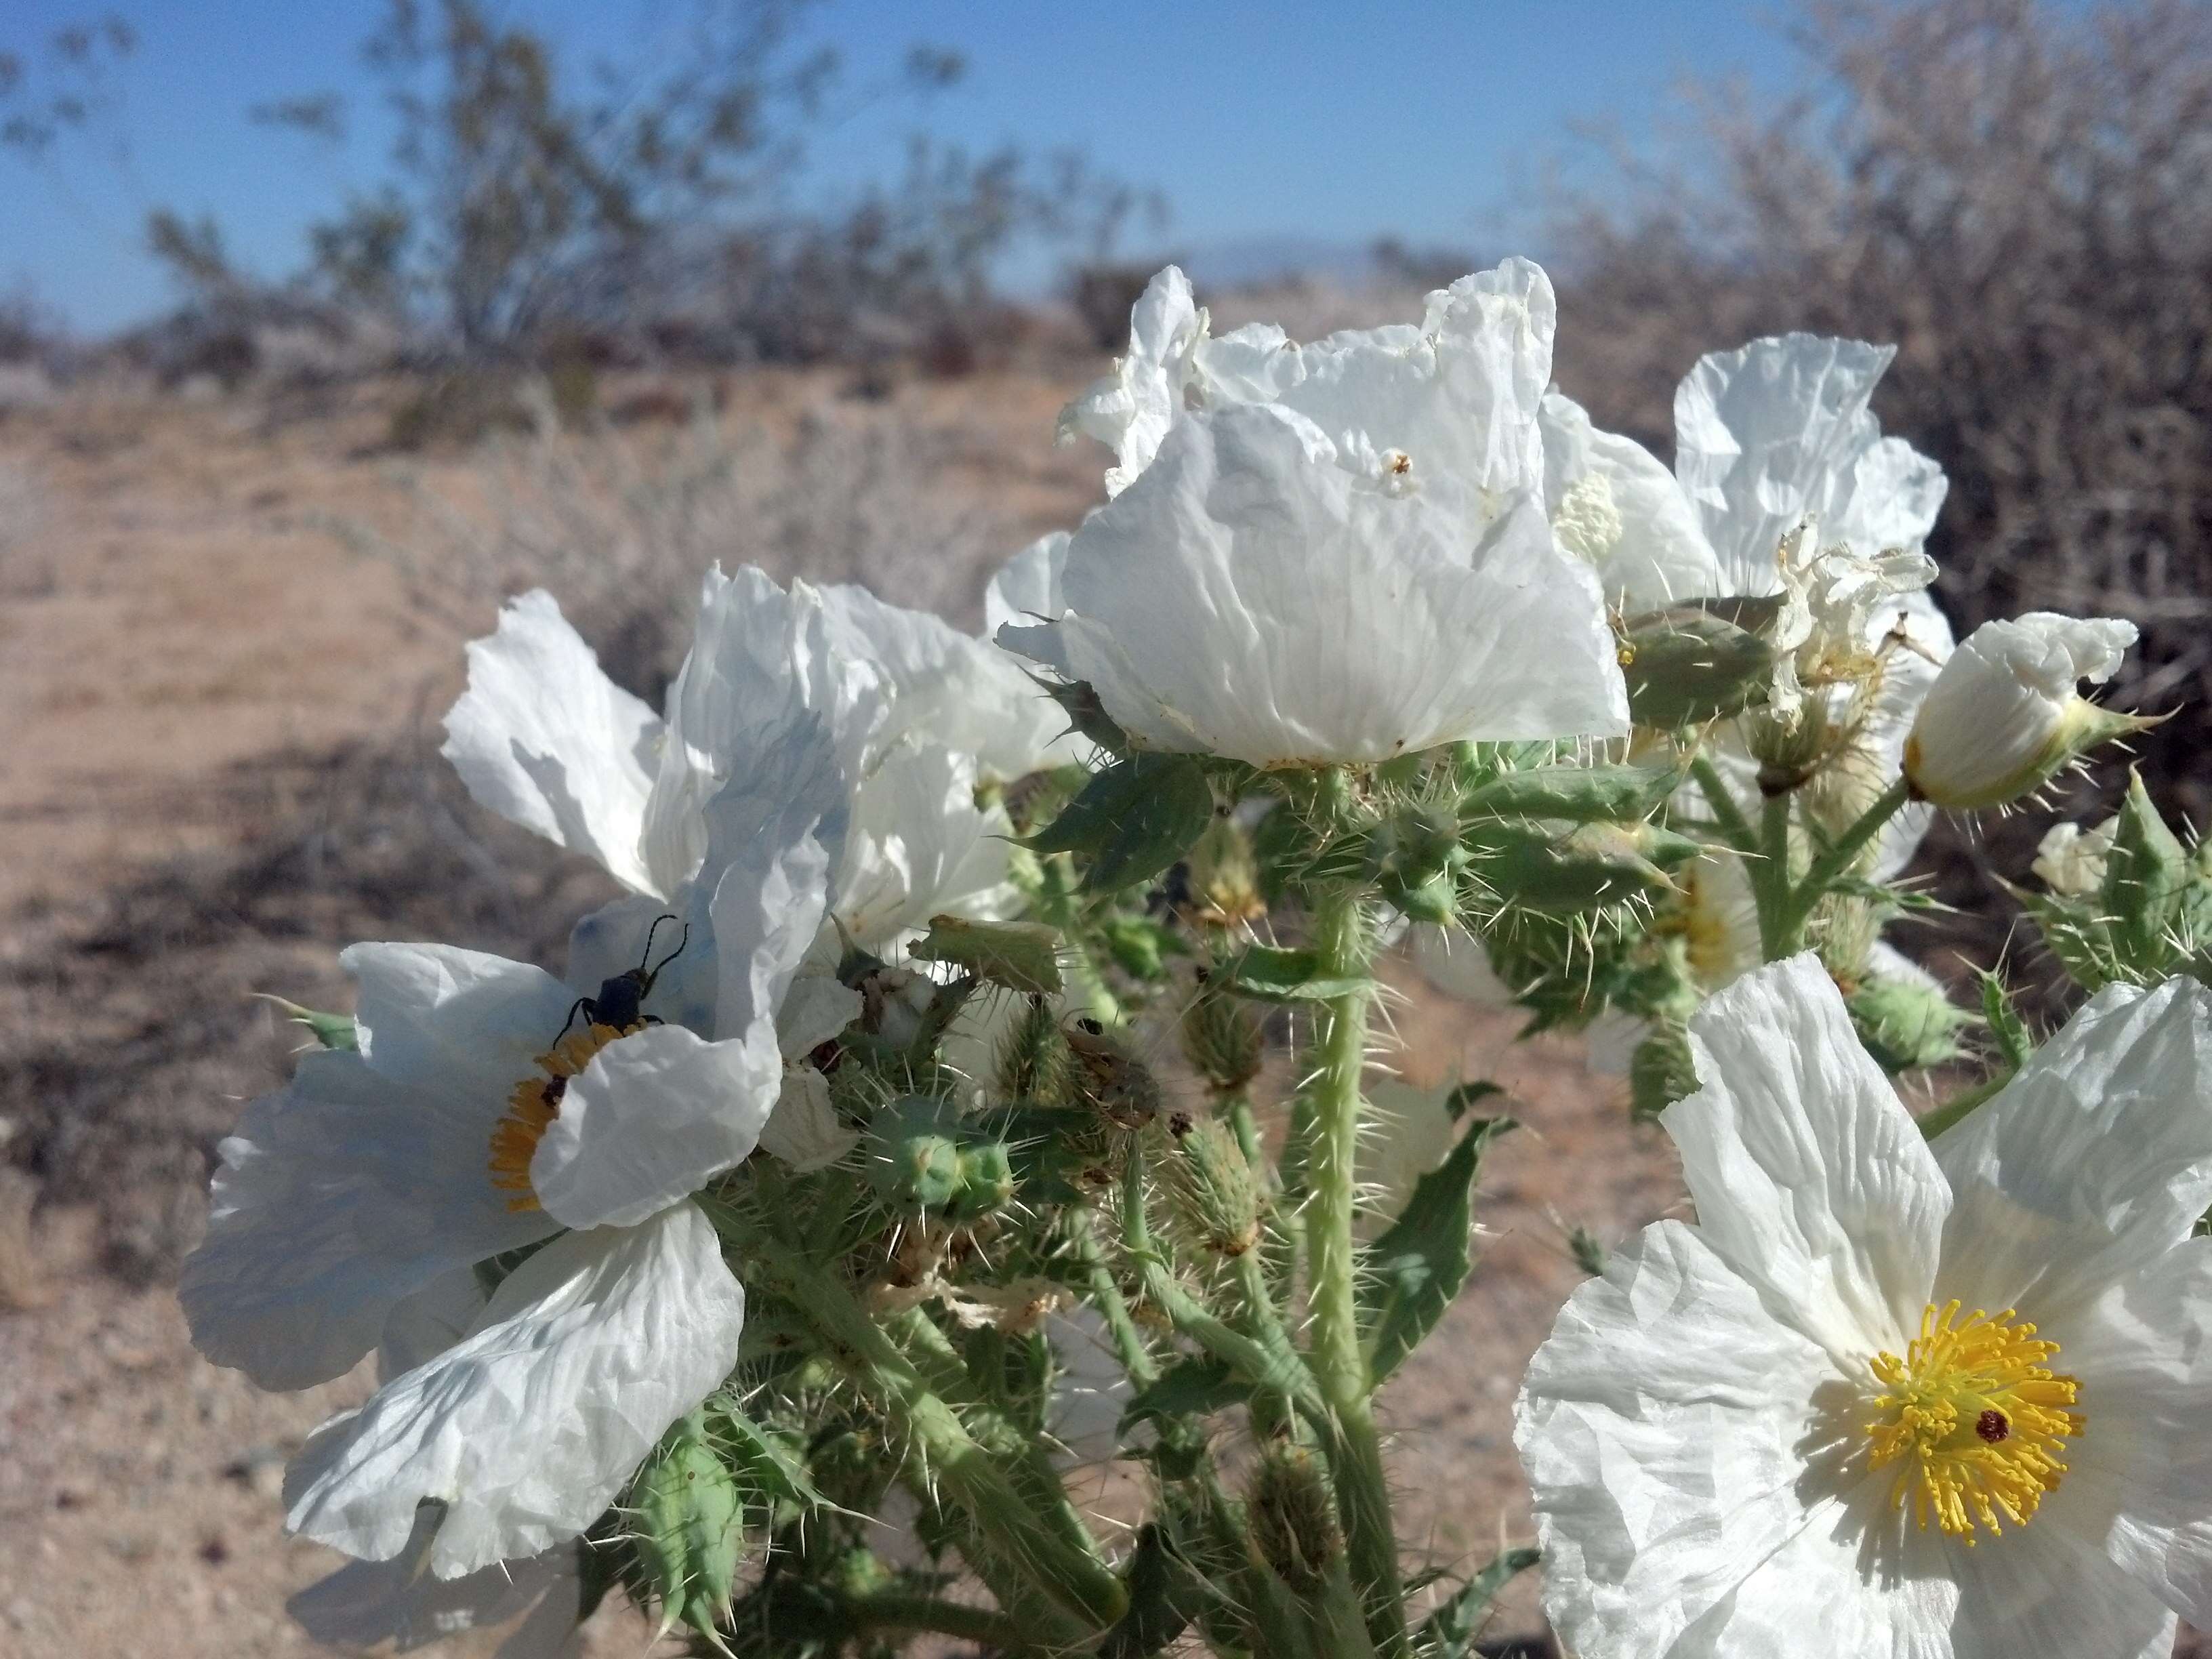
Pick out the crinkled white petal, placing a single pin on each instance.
(1250, 598)
(465, 1024)
(1662, 1427)
(528, 1430)
(803, 1130)
(1130, 409)
(430, 1321)
(366, 1604)
(1888, 496)
(816, 1008)
(951, 688)
(650, 1119)
(919, 847)
(1027, 586)
(1876, 755)
(2044, 1592)
(2139, 1478)
(762, 662)
(544, 738)
(1613, 503)
(1451, 405)
(2095, 1160)
(338, 1198)
(1810, 1177)
(1760, 435)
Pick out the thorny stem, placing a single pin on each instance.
(887, 1610)
(1838, 858)
(1340, 1366)
(1057, 902)
(1734, 828)
(1770, 880)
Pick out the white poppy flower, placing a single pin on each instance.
(1448, 404)
(917, 710)
(1886, 1398)
(477, 1119)
(1247, 597)
(2005, 713)
(1613, 503)
(2071, 859)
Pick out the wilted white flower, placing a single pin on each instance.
(1448, 404)
(2071, 859)
(1888, 1398)
(1248, 597)
(2005, 713)
(478, 1119)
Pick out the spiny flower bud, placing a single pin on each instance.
(1224, 877)
(1294, 1518)
(689, 1528)
(1222, 1039)
(2005, 714)
(1211, 1189)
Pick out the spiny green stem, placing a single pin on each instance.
(1962, 1105)
(1734, 828)
(1339, 1362)
(1060, 904)
(1770, 880)
(1840, 858)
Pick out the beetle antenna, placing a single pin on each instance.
(646, 955)
(684, 939)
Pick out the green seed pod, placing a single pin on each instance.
(1562, 870)
(916, 1161)
(1222, 1039)
(1210, 1188)
(690, 1528)
(1294, 1518)
(1905, 1024)
(1686, 665)
(986, 1183)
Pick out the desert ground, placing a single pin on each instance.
(221, 769)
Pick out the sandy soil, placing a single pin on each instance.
(176, 617)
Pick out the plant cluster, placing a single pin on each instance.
(773, 1263)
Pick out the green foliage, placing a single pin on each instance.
(1131, 820)
(1905, 1025)
(1451, 1630)
(1416, 1268)
(1574, 794)
(1268, 973)
(1022, 956)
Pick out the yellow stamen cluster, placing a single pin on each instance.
(1978, 1418)
(534, 1104)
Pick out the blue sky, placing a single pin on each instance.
(1335, 122)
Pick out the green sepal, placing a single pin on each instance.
(2008, 1030)
(1414, 1272)
(1451, 1630)
(329, 1030)
(1132, 820)
(2146, 873)
(1022, 956)
(1577, 794)
(1269, 973)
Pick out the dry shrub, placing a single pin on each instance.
(2014, 197)
(620, 526)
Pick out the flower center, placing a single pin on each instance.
(534, 1104)
(1976, 1419)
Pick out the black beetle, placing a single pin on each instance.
(620, 998)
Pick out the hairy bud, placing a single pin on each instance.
(1211, 1190)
